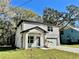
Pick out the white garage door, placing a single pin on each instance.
(52, 42)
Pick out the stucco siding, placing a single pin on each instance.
(18, 37)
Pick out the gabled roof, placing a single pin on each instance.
(34, 28)
(35, 22)
(29, 21)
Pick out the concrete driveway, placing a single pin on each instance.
(69, 49)
(64, 48)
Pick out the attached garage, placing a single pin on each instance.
(51, 42)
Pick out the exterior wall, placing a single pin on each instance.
(70, 34)
(24, 41)
(18, 37)
(53, 34)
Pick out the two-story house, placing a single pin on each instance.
(30, 34)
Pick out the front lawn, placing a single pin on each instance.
(36, 53)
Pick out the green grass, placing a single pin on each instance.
(36, 53)
(73, 46)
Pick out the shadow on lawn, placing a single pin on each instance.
(7, 48)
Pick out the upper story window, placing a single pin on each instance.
(50, 28)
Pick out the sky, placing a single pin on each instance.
(38, 6)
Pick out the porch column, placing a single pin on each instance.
(26, 41)
(58, 39)
(42, 41)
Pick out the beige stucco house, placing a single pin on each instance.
(32, 34)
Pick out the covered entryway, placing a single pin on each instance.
(34, 37)
(34, 40)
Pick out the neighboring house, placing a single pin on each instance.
(31, 34)
(70, 35)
